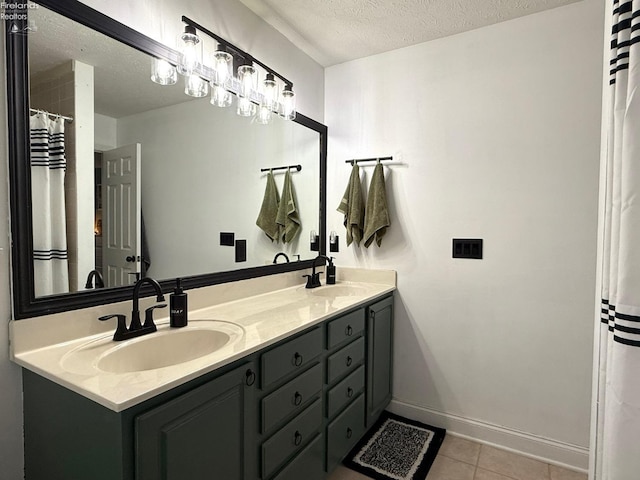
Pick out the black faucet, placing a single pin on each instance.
(136, 329)
(313, 280)
(98, 279)
(281, 254)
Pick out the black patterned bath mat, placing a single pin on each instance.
(396, 448)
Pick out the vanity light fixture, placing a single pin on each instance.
(259, 103)
(163, 73)
(190, 51)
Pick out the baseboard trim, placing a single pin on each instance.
(547, 450)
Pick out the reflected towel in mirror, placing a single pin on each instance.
(288, 218)
(352, 206)
(269, 210)
(376, 218)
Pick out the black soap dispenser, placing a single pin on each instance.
(331, 272)
(178, 306)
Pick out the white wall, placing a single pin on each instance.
(11, 438)
(160, 20)
(498, 134)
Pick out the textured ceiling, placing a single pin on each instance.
(335, 31)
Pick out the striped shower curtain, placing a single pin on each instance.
(617, 452)
(48, 164)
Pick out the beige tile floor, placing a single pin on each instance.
(460, 459)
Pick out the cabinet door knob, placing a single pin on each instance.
(349, 433)
(250, 377)
(348, 331)
(297, 399)
(297, 359)
(349, 392)
(297, 438)
(349, 361)
(372, 314)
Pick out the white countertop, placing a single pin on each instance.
(261, 320)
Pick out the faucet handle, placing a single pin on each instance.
(148, 316)
(121, 329)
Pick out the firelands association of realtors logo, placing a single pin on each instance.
(15, 14)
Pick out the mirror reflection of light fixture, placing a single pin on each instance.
(190, 51)
(264, 115)
(288, 103)
(162, 72)
(195, 86)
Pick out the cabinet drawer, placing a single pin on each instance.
(291, 438)
(344, 432)
(291, 397)
(343, 328)
(345, 359)
(309, 464)
(345, 391)
(291, 356)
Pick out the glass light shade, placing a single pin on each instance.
(248, 80)
(288, 103)
(190, 51)
(264, 115)
(220, 97)
(269, 92)
(221, 66)
(246, 108)
(195, 86)
(162, 72)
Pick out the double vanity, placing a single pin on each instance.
(269, 380)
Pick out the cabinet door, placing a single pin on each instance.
(379, 357)
(202, 434)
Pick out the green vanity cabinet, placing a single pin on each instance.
(289, 411)
(379, 357)
(208, 429)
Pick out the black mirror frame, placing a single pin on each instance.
(25, 304)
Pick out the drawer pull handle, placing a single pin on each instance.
(297, 359)
(297, 399)
(349, 392)
(297, 438)
(348, 331)
(251, 377)
(349, 433)
(349, 361)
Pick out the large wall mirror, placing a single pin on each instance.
(189, 177)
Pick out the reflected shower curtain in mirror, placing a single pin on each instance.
(618, 423)
(48, 165)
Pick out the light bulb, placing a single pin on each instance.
(195, 86)
(190, 51)
(220, 97)
(247, 77)
(269, 92)
(162, 72)
(221, 65)
(245, 107)
(264, 115)
(288, 103)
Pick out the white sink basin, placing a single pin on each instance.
(339, 290)
(165, 348)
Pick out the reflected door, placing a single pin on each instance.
(120, 219)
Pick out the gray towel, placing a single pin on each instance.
(288, 218)
(376, 219)
(269, 210)
(352, 207)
